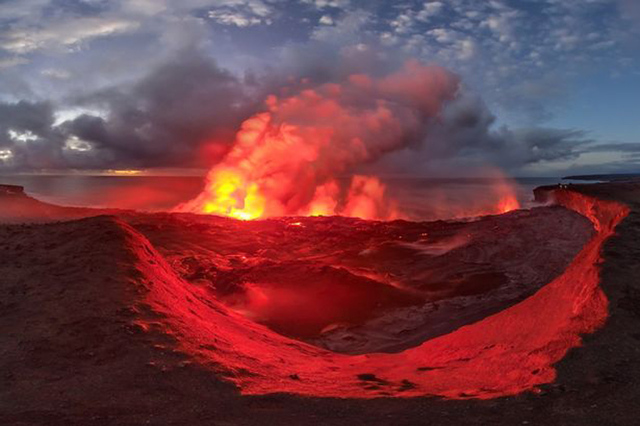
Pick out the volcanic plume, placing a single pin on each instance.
(299, 157)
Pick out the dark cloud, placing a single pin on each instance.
(632, 148)
(190, 106)
(536, 145)
(466, 140)
(628, 166)
(185, 113)
(27, 116)
(172, 117)
(27, 136)
(466, 131)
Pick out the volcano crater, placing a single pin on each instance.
(332, 306)
(356, 286)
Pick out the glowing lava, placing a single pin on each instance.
(503, 192)
(233, 196)
(507, 204)
(506, 353)
(291, 159)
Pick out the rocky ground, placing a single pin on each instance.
(83, 342)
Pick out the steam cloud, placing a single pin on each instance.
(186, 112)
(285, 161)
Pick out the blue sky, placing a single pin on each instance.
(604, 104)
(540, 67)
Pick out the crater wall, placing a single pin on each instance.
(504, 354)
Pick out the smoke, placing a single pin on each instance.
(465, 140)
(286, 160)
(467, 131)
(187, 111)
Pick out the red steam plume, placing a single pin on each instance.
(288, 159)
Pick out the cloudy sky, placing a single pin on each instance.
(547, 87)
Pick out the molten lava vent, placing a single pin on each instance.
(287, 161)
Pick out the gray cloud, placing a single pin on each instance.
(162, 108)
(186, 111)
(632, 148)
(465, 139)
(168, 117)
(467, 130)
(27, 136)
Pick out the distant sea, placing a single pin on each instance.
(419, 198)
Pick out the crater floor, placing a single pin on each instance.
(358, 286)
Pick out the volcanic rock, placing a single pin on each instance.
(149, 318)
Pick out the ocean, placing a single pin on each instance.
(417, 198)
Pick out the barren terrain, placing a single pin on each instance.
(118, 317)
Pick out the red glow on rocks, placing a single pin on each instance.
(504, 354)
